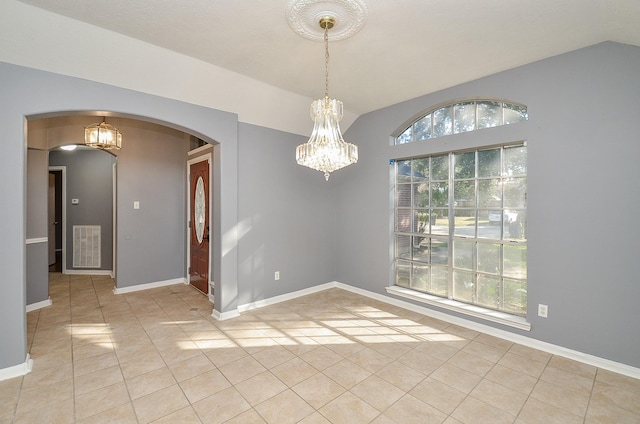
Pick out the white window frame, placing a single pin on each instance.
(449, 303)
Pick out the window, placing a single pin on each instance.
(462, 117)
(460, 225)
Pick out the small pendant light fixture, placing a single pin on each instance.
(102, 136)
(326, 151)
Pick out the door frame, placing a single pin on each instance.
(114, 226)
(208, 157)
(63, 197)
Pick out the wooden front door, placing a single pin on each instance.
(199, 226)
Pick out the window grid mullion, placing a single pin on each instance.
(501, 257)
(501, 284)
(451, 215)
(478, 293)
(474, 259)
(412, 214)
(475, 127)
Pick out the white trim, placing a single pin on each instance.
(146, 286)
(39, 305)
(506, 335)
(17, 370)
(483, 328)
(222, 316)
(210, 295)
(463, 308)
(200, 149)
(90, 272)
(114, 211)
(37, 240)
(285, 297)
(63, 199)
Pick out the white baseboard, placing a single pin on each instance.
(17, 370)
(496, 332)
(147, 286)
(39, 305)
(506, 335)
(285, 297)
(221, 316)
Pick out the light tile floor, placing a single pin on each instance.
(332, 357)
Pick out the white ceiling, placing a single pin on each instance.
(406, 48)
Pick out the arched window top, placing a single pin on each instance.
(463, 116)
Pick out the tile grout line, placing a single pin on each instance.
(593, 385)
(253, 321)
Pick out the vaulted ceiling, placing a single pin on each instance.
(405, 49)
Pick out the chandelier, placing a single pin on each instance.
(102, 136)
(326, 151)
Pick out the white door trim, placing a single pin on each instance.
(63, 170)
(114, 187)
(209, 158)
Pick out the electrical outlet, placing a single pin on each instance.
(276, 276)
(543, 310)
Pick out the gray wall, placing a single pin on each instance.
(89, 179)
(286, 214)
(37, 275)
(583, 194)
(37, 262)
(152, 171)
(37, 189)
(36, 94)
(270, 214)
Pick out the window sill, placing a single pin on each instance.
(463, 308)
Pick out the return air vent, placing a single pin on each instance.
(86, 246)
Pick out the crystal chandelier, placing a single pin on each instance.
(102, 136)
(326, 150)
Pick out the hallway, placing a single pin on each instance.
(331, 357)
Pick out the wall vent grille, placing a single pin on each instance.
(86, 246)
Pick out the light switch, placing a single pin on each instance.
(75, 201)
(136, 205)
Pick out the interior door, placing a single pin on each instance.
(51, 212)
(55, 219)
(199, 223)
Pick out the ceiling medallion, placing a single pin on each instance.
(304, 15)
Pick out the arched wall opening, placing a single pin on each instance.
(150, 188)
(35, 95)
(151, 185)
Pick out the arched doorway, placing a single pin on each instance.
(146, 196)
(37, 94)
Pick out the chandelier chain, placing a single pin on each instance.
(326, 60)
